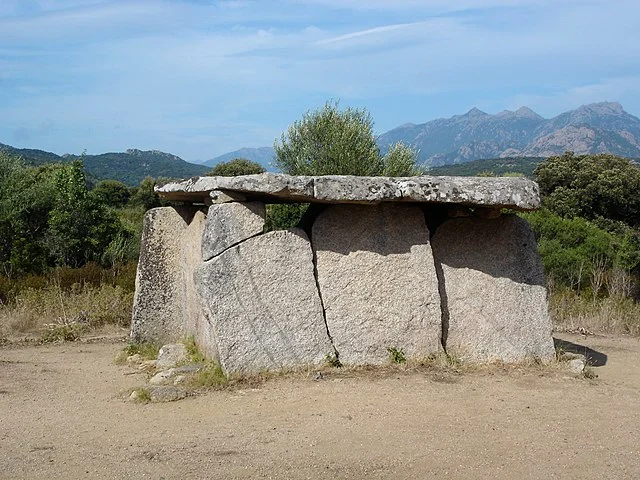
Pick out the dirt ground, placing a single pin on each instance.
(61, 416)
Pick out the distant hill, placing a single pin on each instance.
(129, 167)
(496, 166)
(263, 155)
(595, 128)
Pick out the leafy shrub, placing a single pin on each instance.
(575, 252)
(329, 141)
(235, 167)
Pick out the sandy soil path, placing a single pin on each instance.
(61, 417)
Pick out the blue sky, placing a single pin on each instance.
(199, 78)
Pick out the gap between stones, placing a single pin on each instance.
(444, 302)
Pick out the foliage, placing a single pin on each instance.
(281, 216)
(112, 193)
(571, 310)
(63, 331)
(80, 228)
(145, 196)
(333, 142)
(400, 161)
(235, 167)
(396, 355)
(193, 352)
(591, 186)
(148, 351)
(578, 254)
(496, 167)
(209, 376)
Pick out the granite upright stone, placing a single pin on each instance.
(494, 290)
(378, 282)
(165, 304)
(262, 304)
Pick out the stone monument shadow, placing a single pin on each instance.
(594, 358)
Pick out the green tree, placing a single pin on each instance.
(145, 196)
(595, 187)
(112, 193)
(400, 161)
(329, 141)
(235, 167)
(80, 226)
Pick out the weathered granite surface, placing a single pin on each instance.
(261, 300)
(165, 303)
(516, 193)
(230, 223)
(378, 282)
(494, 287)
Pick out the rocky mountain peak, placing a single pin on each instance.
(475, 112)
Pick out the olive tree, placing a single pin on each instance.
(235, 167)
(330, 141)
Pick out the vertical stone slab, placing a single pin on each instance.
(494, 290)
(228, 224)
(377, 281)
(262, 304)
(165, 304)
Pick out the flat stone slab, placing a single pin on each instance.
(378, 282)
(263, 306)
(494, 290)
(228, 224)
(495, 192)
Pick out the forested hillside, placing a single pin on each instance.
(129, 167)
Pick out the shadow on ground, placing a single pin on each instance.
(594, 358)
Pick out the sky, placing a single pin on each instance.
(200, 78)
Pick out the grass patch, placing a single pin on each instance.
(396, 355)
(63, 332)
(147, 351)
(91, 306)
(210, 376)
(142, 395)
(571, 311)
(194, 353)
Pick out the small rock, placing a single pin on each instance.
(576, 365)
(161, 394)
(147, 366)
(180, 379)
(161, 377)
(134, 359)
(317, 376)
(172, 354)
(135, 395)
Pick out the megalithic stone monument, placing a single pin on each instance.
(418, 265)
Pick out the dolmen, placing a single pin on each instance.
(418, 265)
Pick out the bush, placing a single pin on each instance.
(591, 186)
(333, 142)
(577, 254)
(235, 167)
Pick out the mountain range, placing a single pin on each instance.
(594, 128)
(129, 167)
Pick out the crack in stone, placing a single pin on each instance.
(231, 246)
(324, 313)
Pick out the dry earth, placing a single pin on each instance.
(61, 417)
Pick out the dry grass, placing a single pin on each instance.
(41, 310)
(571, 311)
